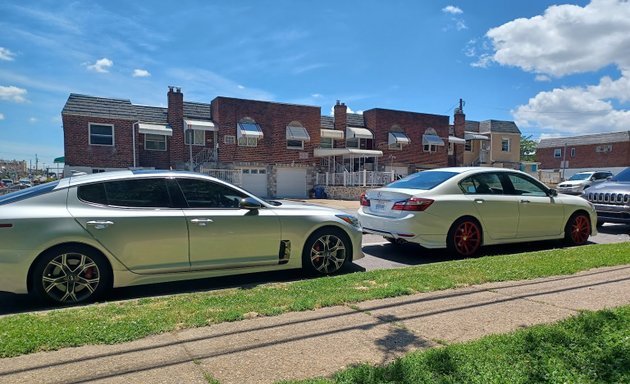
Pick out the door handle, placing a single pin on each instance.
(100, 224)
(479, 201)
(201, 222)
(525, 201)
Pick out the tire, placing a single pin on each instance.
(578, 229)
(465, 237)
(326, 252)
(70, 275)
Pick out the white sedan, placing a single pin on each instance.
(463, 208)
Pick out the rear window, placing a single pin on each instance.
(28, 193)
(141, 193)
(422, 180)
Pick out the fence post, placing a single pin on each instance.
(327, 179)
(345, 183)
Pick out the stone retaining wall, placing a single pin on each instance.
(344, 193)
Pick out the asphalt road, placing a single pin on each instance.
(379, 254)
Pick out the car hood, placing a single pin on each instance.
(611, 186)
(290, 204)
(569, 183)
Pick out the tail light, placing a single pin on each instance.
(364, 200)
(412, 204)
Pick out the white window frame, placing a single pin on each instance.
(155, 139)
(468, 147)
(244, 141)
(229, 139)
(352, 140)
(430, 148)
(395, 147)
(197, 135)
(557, 153)
(507, 148)
(300, 147)
(101, 135)
(330, 142)
(572, 152)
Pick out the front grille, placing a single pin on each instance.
(609, 198)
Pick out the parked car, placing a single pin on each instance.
(72, 239)
(465, 208)
(577, 183)
(7, 182)
(611, 199)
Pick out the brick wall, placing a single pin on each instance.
(414, 125)
(586, 156)
(175, 117)
(78, 151)
(273, 119)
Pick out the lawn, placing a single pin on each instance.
(593, 347)
(125, 321)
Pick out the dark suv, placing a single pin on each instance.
(611, 199)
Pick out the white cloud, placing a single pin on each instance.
(33, 120)
(1, 116)
(6, 55)
(141, 73)
(12, 93)
(453, 10)
(101, 66)
(566, 40)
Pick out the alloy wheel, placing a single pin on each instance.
(328, 254)
(467, 238)
(70, 278)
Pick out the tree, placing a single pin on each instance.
(528, 148)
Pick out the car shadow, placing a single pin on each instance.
(14, 303)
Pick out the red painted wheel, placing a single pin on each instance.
(464, 238)
(578, 229)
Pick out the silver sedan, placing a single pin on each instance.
(73, 239)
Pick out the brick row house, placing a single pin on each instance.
(569, 155)
(277, 149)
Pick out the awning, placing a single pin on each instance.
(297, 133)
(331, 134)
(155, 129)
(398, 138)
(432, 140)
(58, 160)
(475, 136)
(249, 130)
(346, 152)
(199, 125)
(456, 140)
(358, 133)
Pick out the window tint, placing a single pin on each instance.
(482, 184)
(526, 187)
(142, 193)
(422, 180)
(208, 194)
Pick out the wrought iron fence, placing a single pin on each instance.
(233, 176)
(355, 179)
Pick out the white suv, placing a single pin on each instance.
(582, 180)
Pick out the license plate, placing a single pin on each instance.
(379, 206)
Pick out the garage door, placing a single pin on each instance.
(291, 182)
(255, 181)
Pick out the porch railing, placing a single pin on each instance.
(355, 179)
(233, 176)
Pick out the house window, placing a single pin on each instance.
(505, 145)
(430, 148)
(557, 153)
(326, 142)
(244, 141)
(572, 152)
(198, 137)
(534, 167)
(154, 142)
(353, 143)
(468, 146)
(295, 144)
(296, 135)
(229, 139)
(101, 134)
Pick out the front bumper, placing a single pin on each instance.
(613, 213)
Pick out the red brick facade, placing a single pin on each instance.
(595, 156)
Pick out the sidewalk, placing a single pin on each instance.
(319, 343)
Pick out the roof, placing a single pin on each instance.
(355, 120)
(493, 126)
(327, 122)
(91, 106)
(598, 138)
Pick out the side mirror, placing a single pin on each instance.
(250, 203)
(552, 193)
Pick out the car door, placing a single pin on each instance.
(136, 222)
(222, 235)
(540, 215)
(498, 211)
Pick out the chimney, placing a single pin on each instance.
(175, 118)
(459, 125)
(340, 114)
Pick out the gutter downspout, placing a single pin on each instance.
(133, 141)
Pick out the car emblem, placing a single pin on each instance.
(379, 195)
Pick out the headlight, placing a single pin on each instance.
(350, 220)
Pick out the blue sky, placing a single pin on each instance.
(556, 68)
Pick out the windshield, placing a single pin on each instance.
(422, 180)
(623, 176)
(28, 192)
(580, 176)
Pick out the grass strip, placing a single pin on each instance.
(125, 321)
(593, 347)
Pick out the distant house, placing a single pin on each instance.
(492, 143)
(569, 155)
